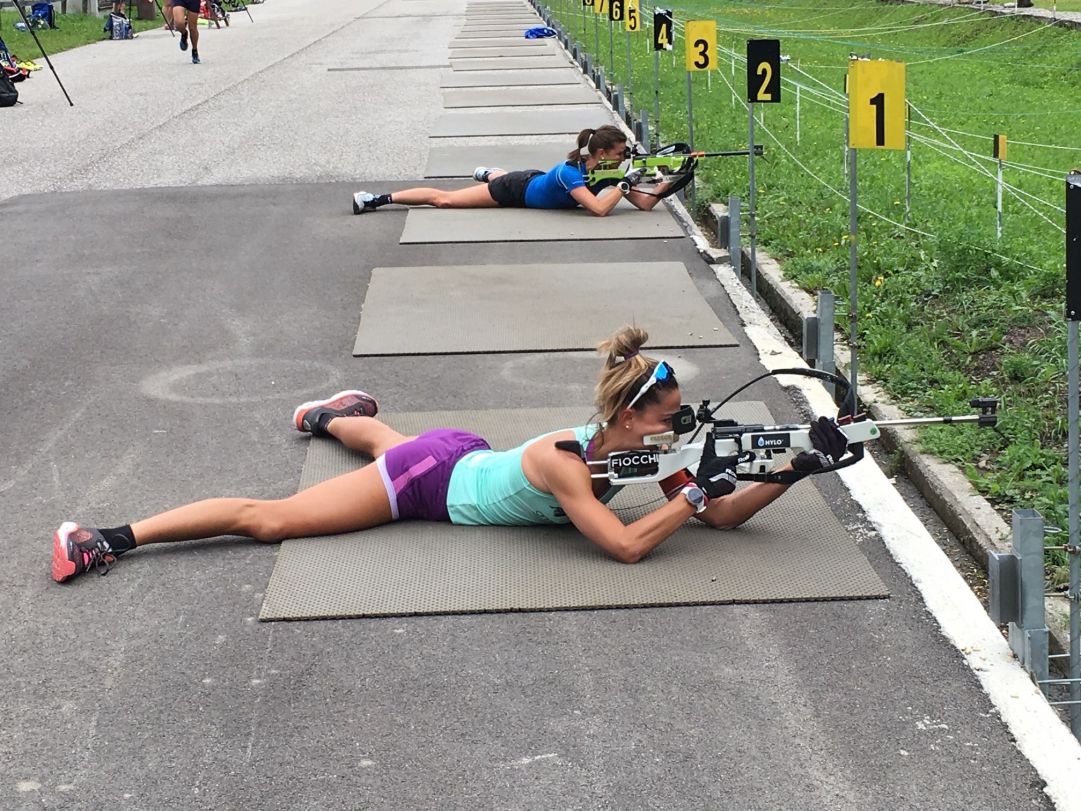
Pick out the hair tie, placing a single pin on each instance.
(628, 356)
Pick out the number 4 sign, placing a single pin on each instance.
(876, 104)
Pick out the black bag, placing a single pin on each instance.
(9, 95)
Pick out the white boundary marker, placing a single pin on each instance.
(1038, 731)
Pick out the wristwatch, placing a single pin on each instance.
(696, 497)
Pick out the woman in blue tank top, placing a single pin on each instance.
(563, 186)
(452, 475)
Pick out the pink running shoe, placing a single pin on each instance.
(312, 417)
(79, 549)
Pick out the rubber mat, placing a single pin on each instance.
(520, 122)
(500, 53)
(488, 33)
(457, 97)
(524, 63)
(499, 42)
(511, 78)
(794, 550)
(431, 225)
(469, 309)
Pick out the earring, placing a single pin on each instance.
(628, 427)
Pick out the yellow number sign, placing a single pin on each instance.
(701, 36)
(632, 20)
(999, 147)
(876, 104)
(601, 7)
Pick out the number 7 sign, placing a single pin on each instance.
(876, 104)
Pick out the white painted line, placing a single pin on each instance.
(1039, 733)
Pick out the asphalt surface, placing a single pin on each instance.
(175, 279)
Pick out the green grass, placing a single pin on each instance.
(72, 31)
(947, 314)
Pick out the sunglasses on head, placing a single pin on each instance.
(661, 372)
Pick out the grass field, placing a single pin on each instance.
(72, 31)
(947, 311)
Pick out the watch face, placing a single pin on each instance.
(695, 496)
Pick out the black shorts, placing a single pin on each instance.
(509, 190)
(190, 5)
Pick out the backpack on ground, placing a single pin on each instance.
(117, 26)
(43, 13)
(9, 94)
(9, 65)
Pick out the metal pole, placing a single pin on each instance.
(908, 176)
(853, 219)
(690, 127)
(998, 227)
(48, 62)
(611, 47)
(1074, 529)
(797, 115)
(629, 81)
(752, 212)
(596, 33)
(657, 92)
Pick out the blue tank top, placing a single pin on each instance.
(553, 188)
(490, 488)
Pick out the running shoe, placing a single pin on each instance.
(363, 201)
(194, 58)
(349, 403)
(184, 40)
(79, 549)
(480, 174)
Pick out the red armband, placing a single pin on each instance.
(671, 485)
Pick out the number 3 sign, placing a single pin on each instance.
(701, 36)
(876, 104)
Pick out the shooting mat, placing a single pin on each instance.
(433, 225)
(524, 63)
(537, 96)
(500, 53)
(511, 78)
(499, 42)
(795, 549)
(459, 124)
(463, 309)
(493, 33)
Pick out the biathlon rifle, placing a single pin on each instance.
(756, 445)
(674, 164)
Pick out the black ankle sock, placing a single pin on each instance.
(120, 539)
(381, 200)
(320, 427)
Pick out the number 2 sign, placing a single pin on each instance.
(876, 104)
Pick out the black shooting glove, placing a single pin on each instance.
(829, 445)
(634, 177)
(716, 474)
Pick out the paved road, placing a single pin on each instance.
(176, 277)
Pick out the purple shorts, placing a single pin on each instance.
(417, 473)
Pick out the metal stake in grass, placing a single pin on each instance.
(168, 22)
(1073, 547)
(26, 22)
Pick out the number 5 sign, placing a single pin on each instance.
(876, 104)
(634, 21)
(701, 36)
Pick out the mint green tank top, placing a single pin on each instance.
(490, 488)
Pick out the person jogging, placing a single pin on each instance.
(186, 21)
(566, 185)
(446, 474)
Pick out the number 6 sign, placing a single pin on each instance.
(876, 104)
